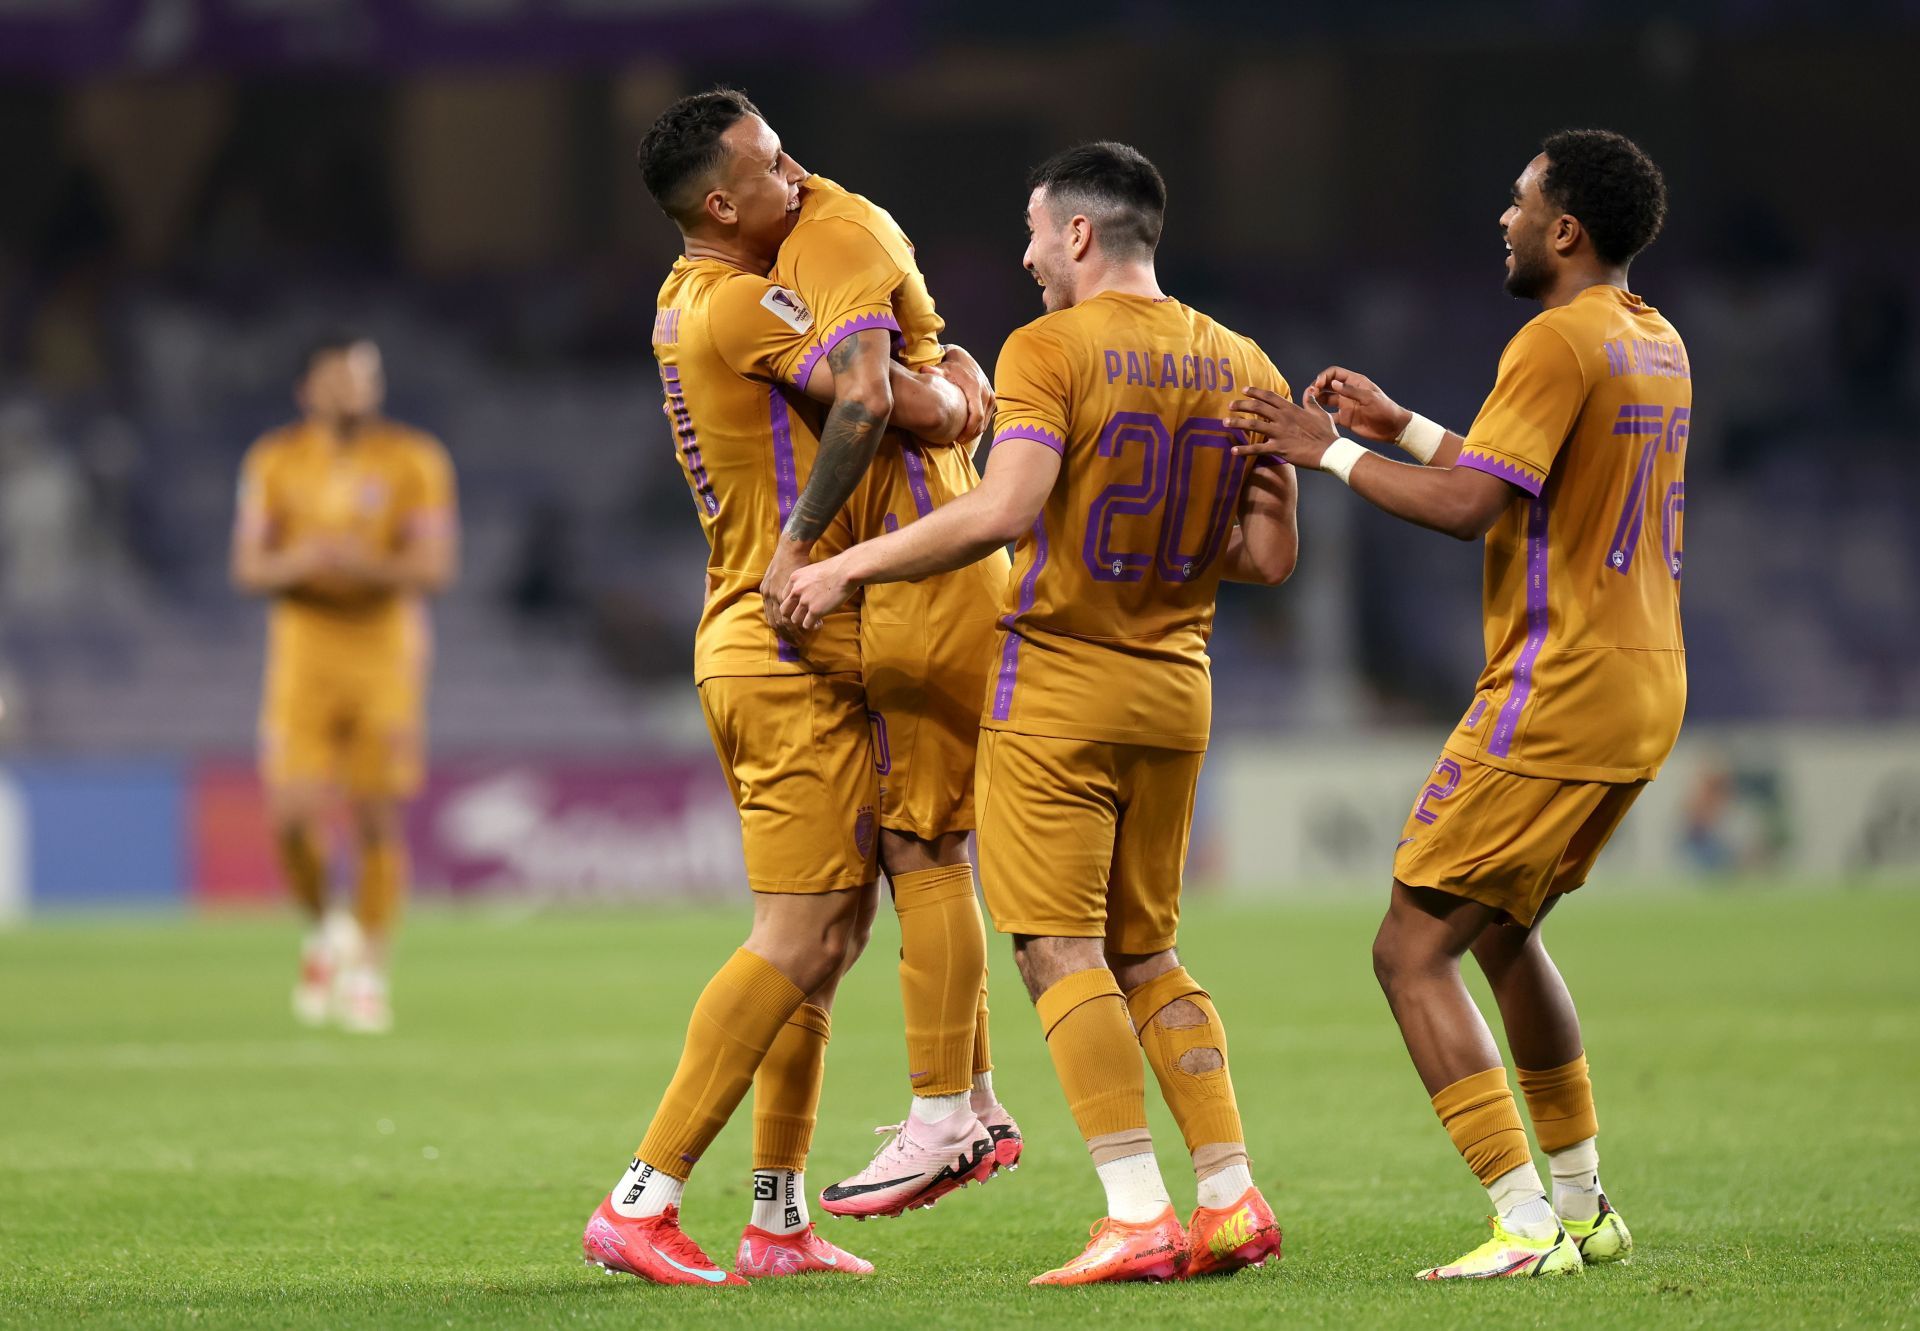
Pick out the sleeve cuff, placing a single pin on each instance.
(841, 332)
(1038, 433)
(1510, 472)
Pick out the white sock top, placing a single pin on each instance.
(1135, 1190)
(644, 1191)
(780, 1200)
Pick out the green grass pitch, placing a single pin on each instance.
(174, 1153)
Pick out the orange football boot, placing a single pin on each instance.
(652, 1247)
(1224, 1239)
(1151, 1250)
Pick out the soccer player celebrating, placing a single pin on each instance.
(347, 521)
(1573, 473)
(788, 724)
(1114, 472)
(925, 650)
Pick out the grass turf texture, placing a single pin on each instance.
(174, 1153)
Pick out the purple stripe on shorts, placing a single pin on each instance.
(1493, 466)
(1038, 433)
(1010, 649)
(786, 479)
(917, 479)
(879, 319)
(1501, 740)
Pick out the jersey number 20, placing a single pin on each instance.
(1170, 473)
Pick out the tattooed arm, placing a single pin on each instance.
(862, 402)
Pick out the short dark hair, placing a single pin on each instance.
(330, 343)
(1610, 186)
(684, 145)
(1113, 185)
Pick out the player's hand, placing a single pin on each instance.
(1276, 427)
(1357, 405)
(815, 592)
(789, 557)
(964, 372)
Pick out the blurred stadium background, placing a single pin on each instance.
(193, 188)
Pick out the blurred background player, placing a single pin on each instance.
(789, 724)
(348, 522)
(925, 648)
(1112, 470)
(1571, 471)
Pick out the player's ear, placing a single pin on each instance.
(1079, 237)
(719, 206)
(1565, 233)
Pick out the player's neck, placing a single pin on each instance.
(340, 430)
(729, 251)
(1126, 279)
(1576, 280)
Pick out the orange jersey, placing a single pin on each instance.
(297, 483)
(1110, 602)
(1586, 676)
(854, 266)
(726, 341)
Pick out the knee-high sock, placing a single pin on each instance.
(303, 862)
(786, 1090)
(943, 961)
(1479, 1114)
(1187, 1049)
(736, 1021)
(1084, 1018)
(1560, 1102)
(982, 1046)
(384, 870)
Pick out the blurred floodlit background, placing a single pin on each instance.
(191, 189)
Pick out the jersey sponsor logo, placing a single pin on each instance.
(788, 308)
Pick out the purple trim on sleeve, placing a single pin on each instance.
(882, 319)
(786, 479)
(1500, 742)
(917, 479)
(1010, 649)
(1506, 471)
(1040, 434)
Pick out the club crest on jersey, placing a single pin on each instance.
(790, 309)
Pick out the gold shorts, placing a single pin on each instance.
(362, 732)
(1505, 840)
(796, 754)
(1085, 839)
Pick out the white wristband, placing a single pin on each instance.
(1422, 438)
(1340, 457)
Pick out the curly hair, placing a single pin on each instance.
(1610, 186)
(683, 146)
(1114, 185)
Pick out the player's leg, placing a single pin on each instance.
(1048, 819)
(1480, 846)
(384, 762)
(1543, 1033)
(1178, 1025)
(796, 753)
(779, 1238)
(298, 765)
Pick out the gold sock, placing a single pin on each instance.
(1479, 1114)
(1560, 1102)
(303, 862)
(736, 1021)
(383, 883)
(786, 1090)
(982, 1047)
(1186, 1046)
(1095, 1055)
(943, 959)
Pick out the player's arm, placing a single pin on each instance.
(1458, 501)
(1362, 410)
(928, 405)
(1003, 507)
(1264, 545)
(259, 563)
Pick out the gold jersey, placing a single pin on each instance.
(382, 486)
(1586, 676)
(1110, 602)
(726, 340)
